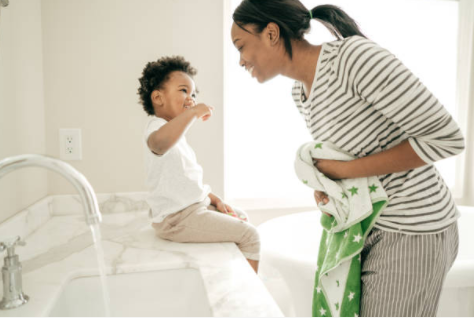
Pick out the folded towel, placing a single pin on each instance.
(355, 205)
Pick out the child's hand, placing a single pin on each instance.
(203, 111)
(226, 209)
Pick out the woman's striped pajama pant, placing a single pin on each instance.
(402, 274)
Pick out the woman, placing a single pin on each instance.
(363, 99)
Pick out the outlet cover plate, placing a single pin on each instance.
(70, 144)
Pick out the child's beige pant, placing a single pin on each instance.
(201, 223)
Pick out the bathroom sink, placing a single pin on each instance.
(171, 293)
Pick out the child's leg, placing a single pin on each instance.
(254, 264)
(197, 224)
(241, 215)
(244, 217)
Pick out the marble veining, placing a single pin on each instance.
(27, 221)
(108, 203)
(61, 249)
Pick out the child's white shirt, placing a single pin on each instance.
(175, 179)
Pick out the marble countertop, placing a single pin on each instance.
(61, 249)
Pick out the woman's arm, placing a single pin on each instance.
(426, 130)
(402, 157)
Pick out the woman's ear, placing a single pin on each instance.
(272, 33)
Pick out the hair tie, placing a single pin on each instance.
(310, 14)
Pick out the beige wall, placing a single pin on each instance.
(94, 52)
(22, 124)
(75, 64)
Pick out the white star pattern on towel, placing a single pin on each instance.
(345, 234)
(357, 238)
(322, 311)
(318, 289)
(351, 295)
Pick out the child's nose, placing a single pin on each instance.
(190, 100)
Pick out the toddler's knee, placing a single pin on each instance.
(251, 239)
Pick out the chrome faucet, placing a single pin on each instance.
(11, 272)
(89, 200)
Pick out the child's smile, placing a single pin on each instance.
(177, 96)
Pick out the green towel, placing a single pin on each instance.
(355, 205)
(339, 267)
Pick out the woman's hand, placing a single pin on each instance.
(333, 169)
(321, 197)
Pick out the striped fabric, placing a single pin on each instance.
(403, 275)
(364, 100)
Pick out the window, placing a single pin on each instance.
(263, 126)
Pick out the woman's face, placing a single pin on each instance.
(260, 53)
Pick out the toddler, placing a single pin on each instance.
(183, 209)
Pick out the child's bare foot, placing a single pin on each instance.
(254, 265)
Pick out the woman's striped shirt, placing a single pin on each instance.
(364, 100)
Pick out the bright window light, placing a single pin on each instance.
(263, 126)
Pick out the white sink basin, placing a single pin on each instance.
(171, 293)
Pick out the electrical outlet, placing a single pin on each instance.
(70, 144)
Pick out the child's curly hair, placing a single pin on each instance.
(155, 75)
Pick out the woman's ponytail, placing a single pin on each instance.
(293, 19)
(338, 22)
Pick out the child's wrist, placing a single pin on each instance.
(214, 199)
(194, 112)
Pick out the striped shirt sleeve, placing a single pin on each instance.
(380, 79)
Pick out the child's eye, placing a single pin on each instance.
(193, 96)
(184, 90)
(240, 48)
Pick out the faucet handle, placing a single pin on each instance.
(9, 245)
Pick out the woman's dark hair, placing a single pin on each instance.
(156, 74)
(293, 19)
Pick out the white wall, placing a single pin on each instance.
(76, 64)
(22, 124)
(94, 53)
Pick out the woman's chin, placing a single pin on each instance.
(263, 79)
